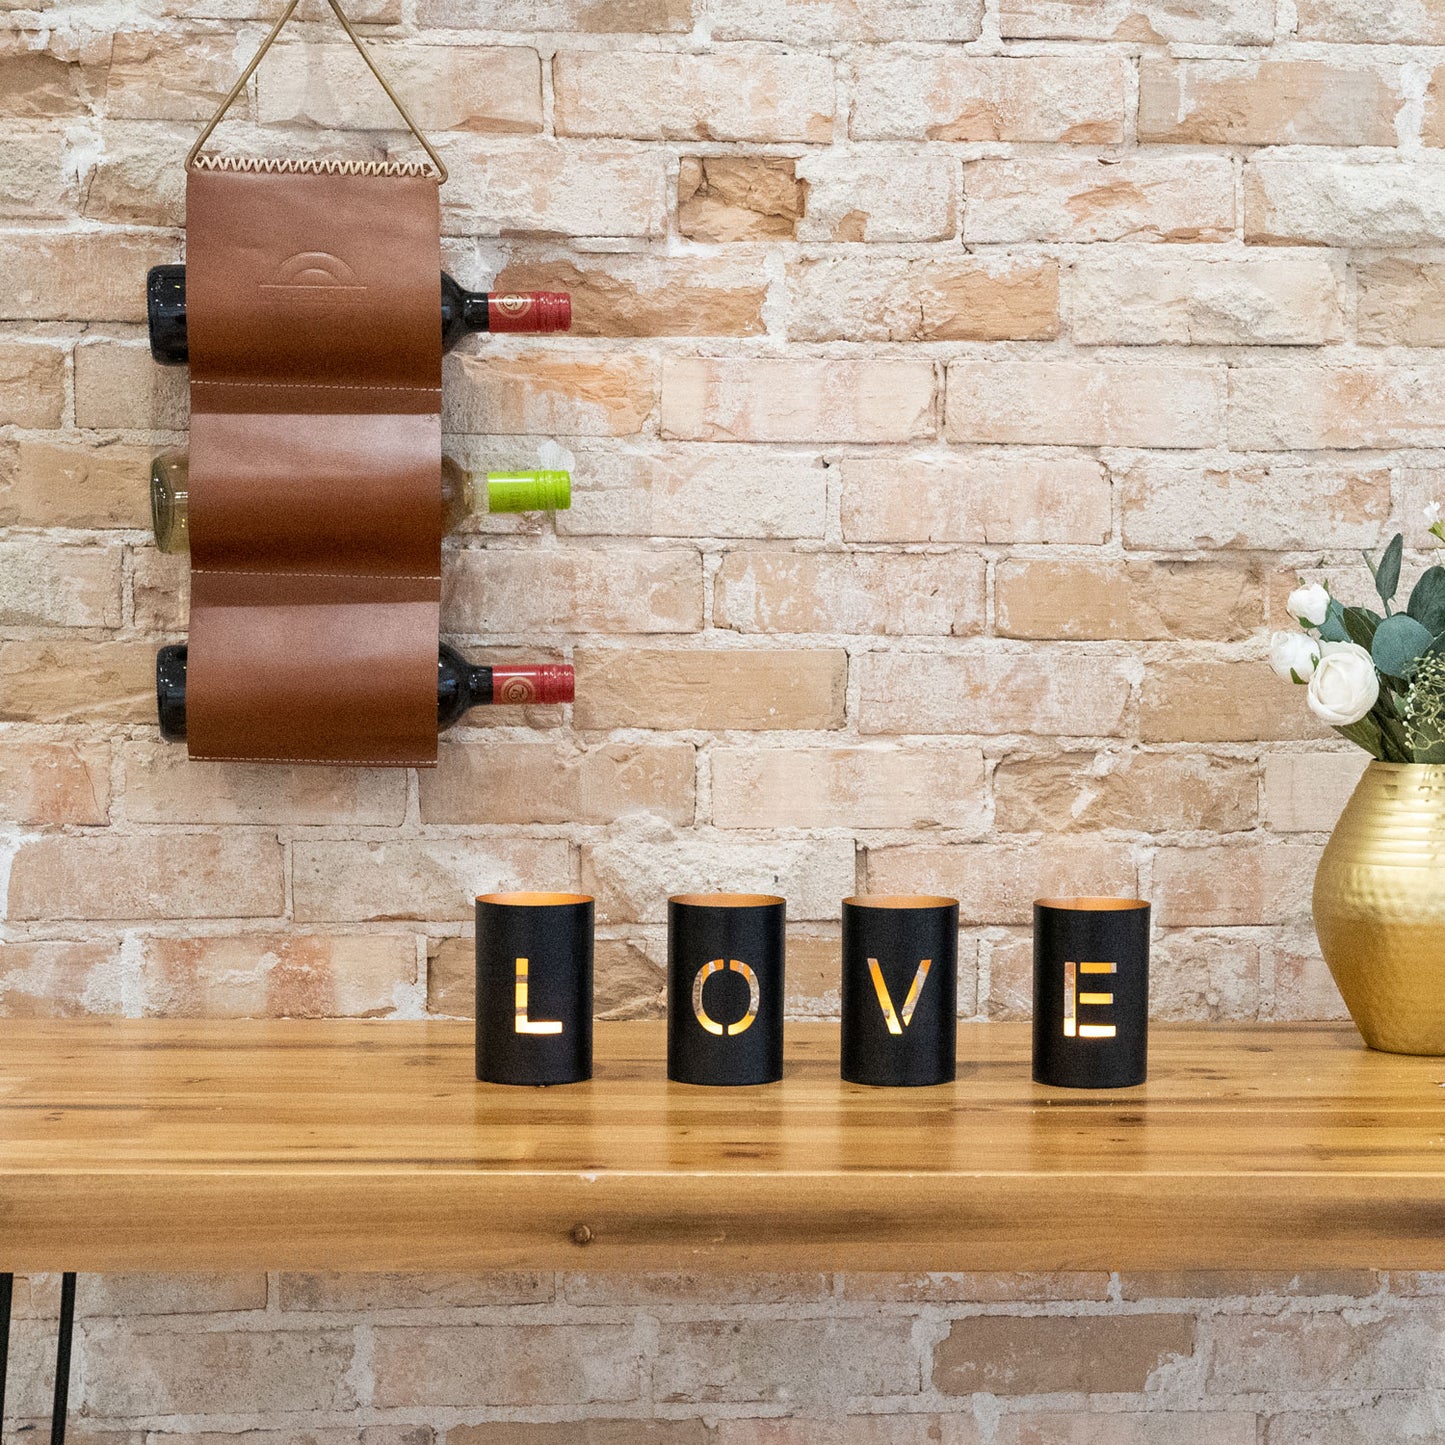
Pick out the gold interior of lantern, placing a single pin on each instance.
(899, 900)
(533, 900)
(1092, 905)
(725, 900)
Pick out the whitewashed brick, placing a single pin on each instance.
(1274, 503)
(1141, 297)
(479, 88)
(796, 400)
(1307, 792)
(698, 490)
(1057, 692)
(893, 298)
(994, 496)
(1278, 408)
(589, 17)
(1272, 102)
(647, 95)
(1144, 197)
(1343, 202)
(1069, 403)
(412, 878)
(872, 194)
(38, 181)
(1372, 22)
(824, 22)
(997, 883)
(874, 786)
(59, 586)
(547, 188)
(952, 96)
(498, 589)
(1400, 302)
(850, 592)
(1192, 22)
(631, 877)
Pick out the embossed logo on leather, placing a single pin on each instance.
(313, 278)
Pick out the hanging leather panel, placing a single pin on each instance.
(313, 299)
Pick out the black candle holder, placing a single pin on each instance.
(1091, 992)
(900, 990)
(534, 988)
(725, 957)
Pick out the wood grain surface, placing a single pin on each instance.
(129, 1145)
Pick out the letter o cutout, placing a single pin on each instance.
(754, 997)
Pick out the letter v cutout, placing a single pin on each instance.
(880, 987)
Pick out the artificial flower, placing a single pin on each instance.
(1309, 604)
(1345, 685)
(1293, 655)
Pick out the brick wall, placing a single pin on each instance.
(956, 388)
(1346, 1358)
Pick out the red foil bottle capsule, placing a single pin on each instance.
(534, 311)
(540, 682)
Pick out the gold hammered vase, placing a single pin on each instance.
(1379, 907)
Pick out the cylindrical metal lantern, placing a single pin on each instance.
(1091, 992)
(725, 988)
(900, 989)
(534, 988)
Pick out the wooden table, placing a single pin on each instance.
(189, 1146)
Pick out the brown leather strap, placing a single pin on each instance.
(312, 306)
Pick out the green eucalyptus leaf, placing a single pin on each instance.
(1399, 642)
(1360, 624)
(1333, 629)
(1387, 574)
(1427, 601)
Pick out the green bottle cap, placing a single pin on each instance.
(529, 491)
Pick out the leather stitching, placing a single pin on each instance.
(313, 386)
(328, 762)
(338, 576)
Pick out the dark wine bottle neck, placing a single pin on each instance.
(462, 311)
(461, 686)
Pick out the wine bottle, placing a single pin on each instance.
(462, 312)
(461, 685)
(539, 491)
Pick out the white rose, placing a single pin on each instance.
(1432, 513)
(1293, 654)
(1309, 604)
(1345, 685)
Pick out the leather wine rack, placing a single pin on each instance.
(315, 455)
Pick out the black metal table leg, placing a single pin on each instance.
(7, 1288)
(62, 1360)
